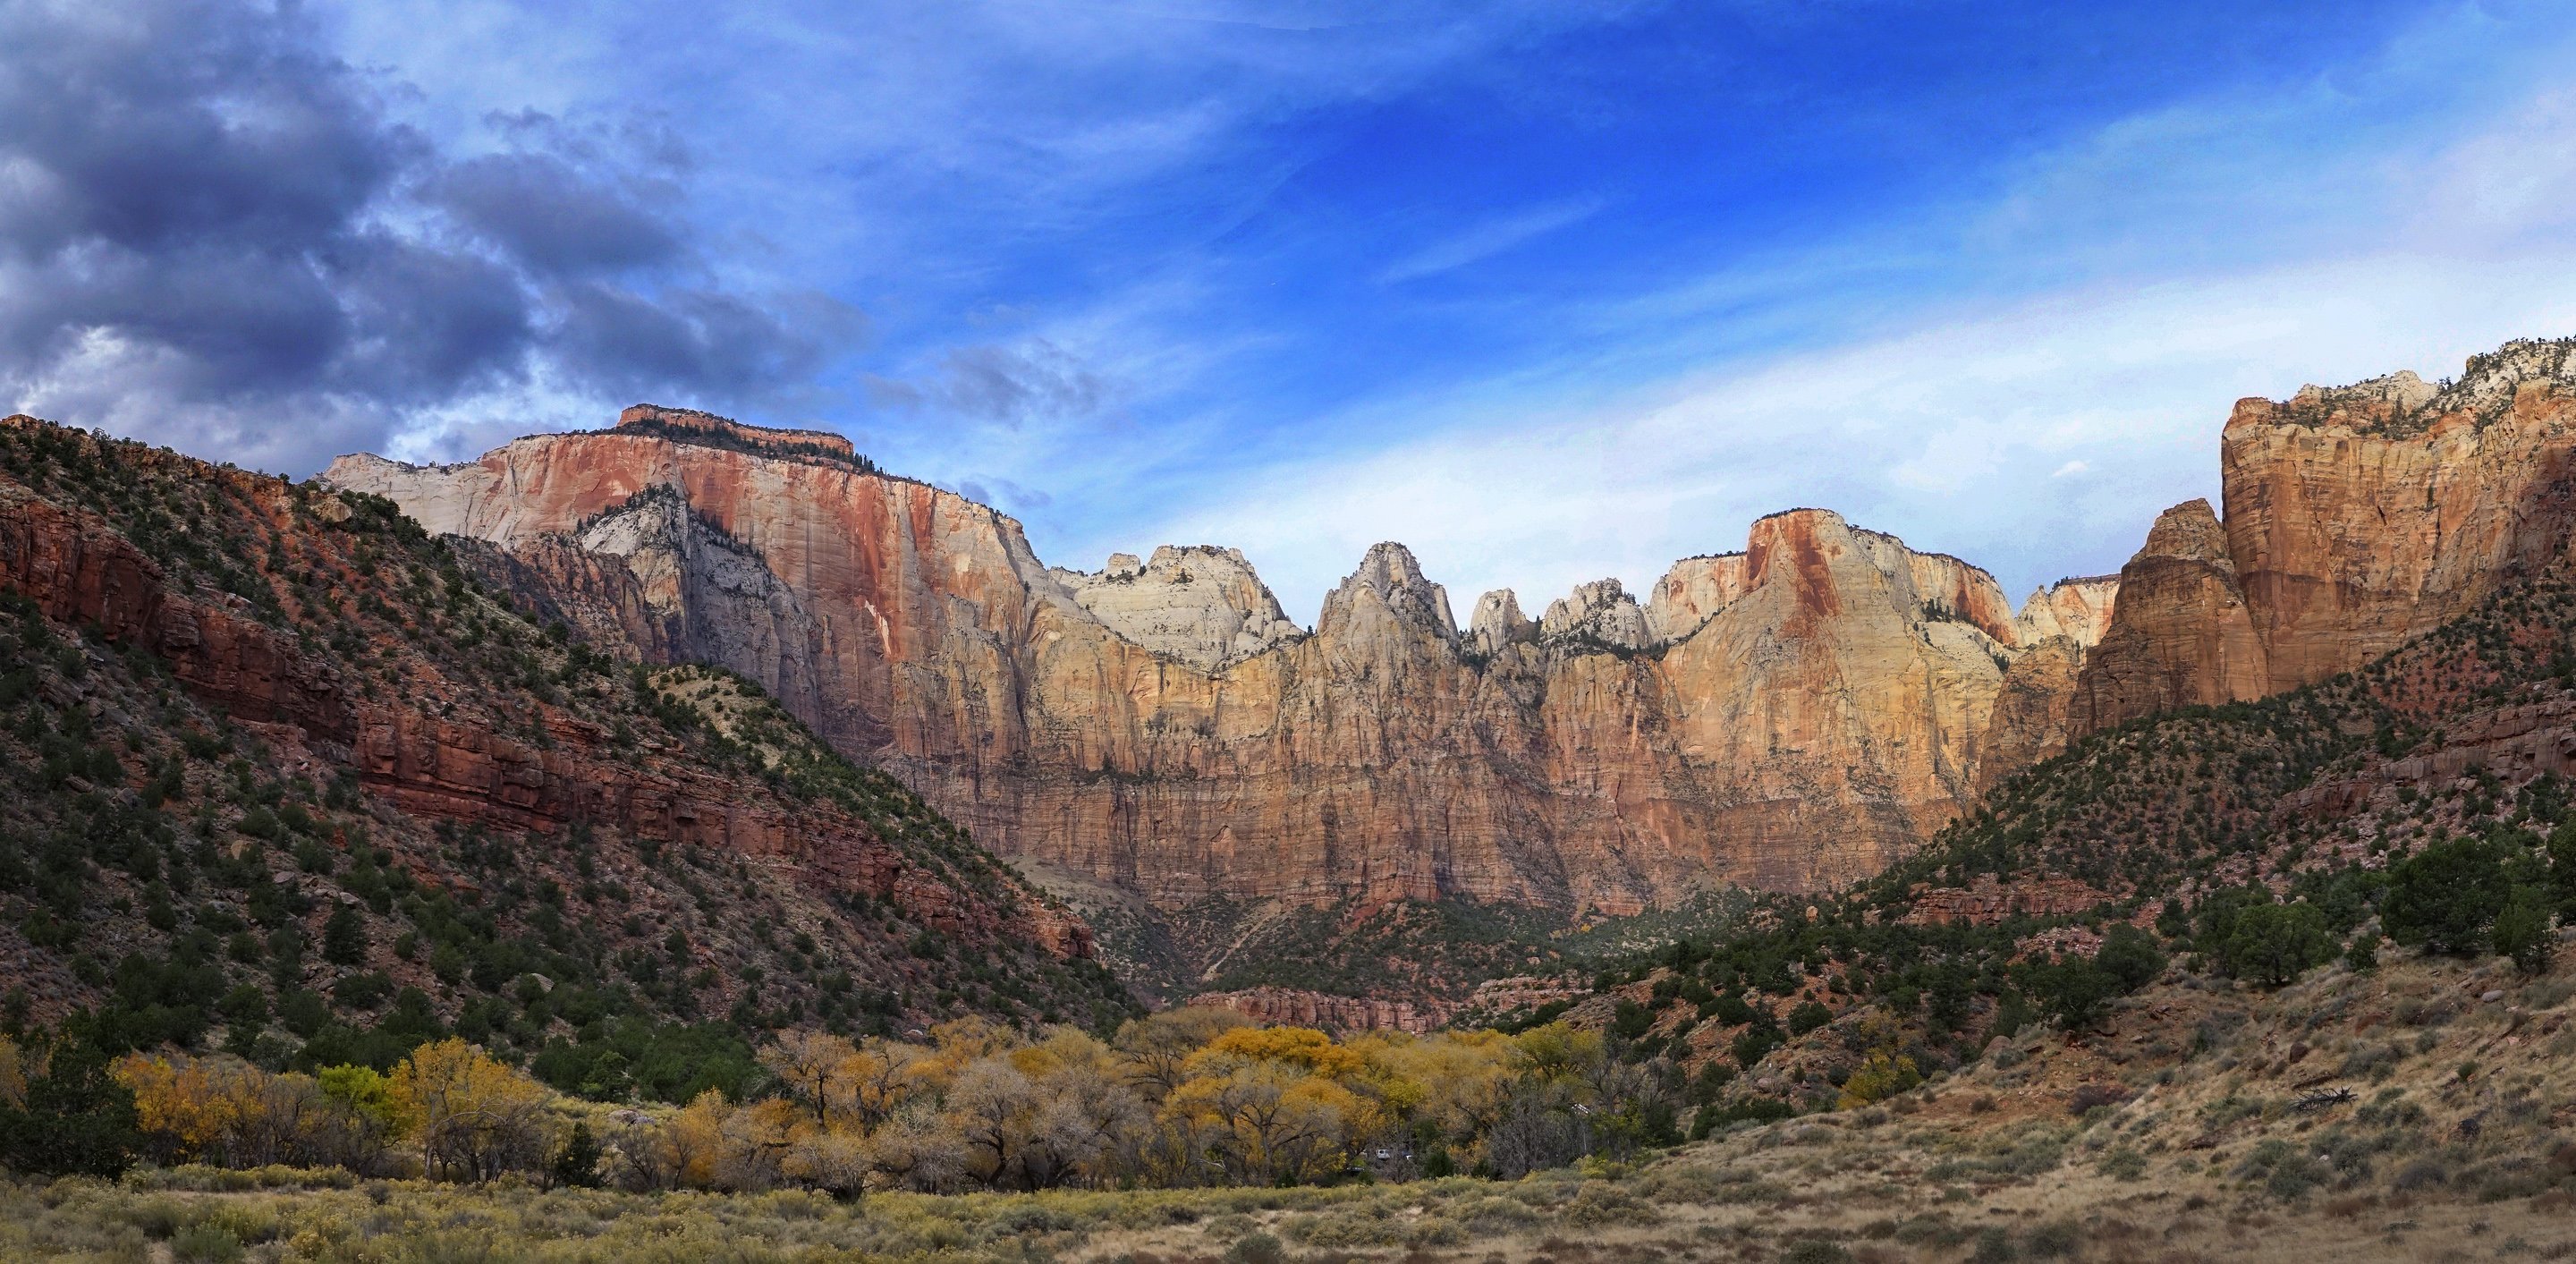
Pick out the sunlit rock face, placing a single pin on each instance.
(1201, 605)
(2356, 518)
(1793, 715)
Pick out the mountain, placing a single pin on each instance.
(282, 773)
(2356, 518)
(1215, 785)
(1157, 738)
(2427, 797)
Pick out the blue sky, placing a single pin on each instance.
(1547, 291)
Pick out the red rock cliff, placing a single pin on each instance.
(1793, 716)
(2356, 519)
(457, 765)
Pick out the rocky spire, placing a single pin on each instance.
(1499, 622)
(1388, 592)
(1598, 611)
(2181, 634)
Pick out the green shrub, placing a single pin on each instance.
(205, 1244)
(2130, 956)
(2285, 1168)
(2521, 930)
(2055, 1240)
(1816, 1251)
(2446, 897)
(2273, 944)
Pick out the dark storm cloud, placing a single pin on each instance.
(214, 235)
(552, 217)
(622, 343)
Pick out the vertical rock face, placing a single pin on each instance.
(2077, 609)
(2357, 517)
(1498, 623)
(2182, 635)
(1694, 589)
(1793, 715)
(1201, 605)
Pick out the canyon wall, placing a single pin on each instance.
(2356, 518)
(426, 757)
(1791, 716)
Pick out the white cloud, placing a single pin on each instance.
(2069, 470)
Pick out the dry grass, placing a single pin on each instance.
(2208, 1158)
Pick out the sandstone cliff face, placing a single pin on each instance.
(436, 755)
(2182, 635)
(1298, 1007)
(1201, 605)
(2034, 714)
(2357, 518)
(1694, 589)
(2077, 609)
(1794, 715)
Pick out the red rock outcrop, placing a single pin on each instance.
(1523, 991)
(2182, 635)
(2357, 518)
(1792, 716)
(78, 568)
(1988, 901)
(1297, 1007)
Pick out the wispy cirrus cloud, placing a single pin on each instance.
(1485, 240)
(1979, 408)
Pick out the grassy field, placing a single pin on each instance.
(2178, 1132)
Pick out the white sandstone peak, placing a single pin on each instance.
(1201, 605)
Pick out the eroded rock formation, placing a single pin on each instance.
(1794, 715)
(1298, 1007)
(2357, 518)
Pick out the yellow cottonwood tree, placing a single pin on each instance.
(176, 1103)
(816, 1066)
(476, 1116)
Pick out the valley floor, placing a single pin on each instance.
(2191, 1128)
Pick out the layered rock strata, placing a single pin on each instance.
(77, 568)
(1791, 716)
(1298, 1007)
(2357, 518)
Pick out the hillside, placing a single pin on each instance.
(2424, 798)
(2188, 1129)
(283, 779)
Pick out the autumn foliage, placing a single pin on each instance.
(1185, 1098)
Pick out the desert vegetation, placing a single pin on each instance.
(1184, 1098)
(2187, 1126)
